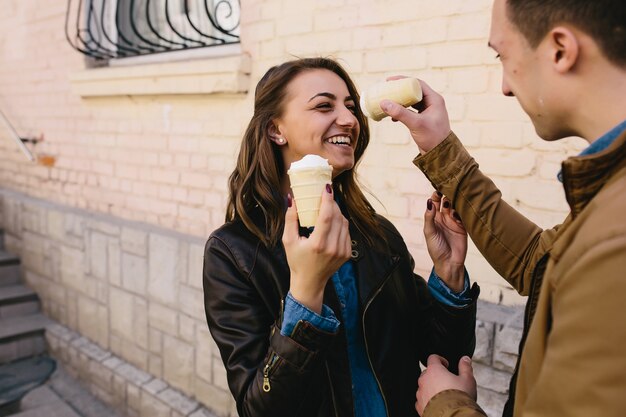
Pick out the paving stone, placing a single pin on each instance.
(155, 386)
(59, 409)
(178, 401)
(132, 374)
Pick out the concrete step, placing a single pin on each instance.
(9, 269)
(17, 300)
(22, 336)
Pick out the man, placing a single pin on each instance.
(565, 62)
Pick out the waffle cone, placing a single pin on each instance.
(307, 186)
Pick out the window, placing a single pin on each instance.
(113, 29)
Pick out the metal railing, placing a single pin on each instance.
(18, 140)
(108, 29)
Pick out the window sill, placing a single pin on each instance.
(215, 75)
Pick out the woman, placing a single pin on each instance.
(331, 322)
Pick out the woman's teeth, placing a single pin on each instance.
(341, 140)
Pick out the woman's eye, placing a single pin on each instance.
(351, 107)
(324, 106)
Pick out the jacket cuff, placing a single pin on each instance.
(305, 343)
(449, 402)
(444, 161)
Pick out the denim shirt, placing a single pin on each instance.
(366, 394)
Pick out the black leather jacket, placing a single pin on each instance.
(308, 375)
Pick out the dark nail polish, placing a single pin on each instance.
(289, 200)
(446, 204)
(329, 189)
(439, 194)
(456, 216)
(429, 204)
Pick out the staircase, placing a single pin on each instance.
(22, 326)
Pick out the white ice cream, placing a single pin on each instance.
(308, 162)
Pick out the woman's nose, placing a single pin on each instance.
(346, 117)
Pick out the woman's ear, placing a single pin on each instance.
(274, 134)
(564, 48)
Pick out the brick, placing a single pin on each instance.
(510, 163)
(133, 375)
(219, 400)
(401, 59)
(151, 406)
(163, 269)
(134, 273)
(484, 342)
(163, 318)
(98, 255)
(187, 328)
(491, 379)
(469, 26)
(178, 358)
(178, 401)
(491, 402)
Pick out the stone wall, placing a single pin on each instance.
(129, 303)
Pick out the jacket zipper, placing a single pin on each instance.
(367, 350)
(266, 372)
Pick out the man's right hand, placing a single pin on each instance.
(430, 126)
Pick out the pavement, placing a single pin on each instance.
(63, 396)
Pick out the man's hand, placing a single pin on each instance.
(436, 378)
(430, 126)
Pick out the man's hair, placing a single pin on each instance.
(603, 20)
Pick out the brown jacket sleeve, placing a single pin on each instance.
(510, 242)
(453, 403)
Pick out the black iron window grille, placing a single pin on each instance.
(108, 29)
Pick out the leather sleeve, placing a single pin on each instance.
(446, 330)
(510, 242)
(250, 342)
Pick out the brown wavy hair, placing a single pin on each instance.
(255, 184)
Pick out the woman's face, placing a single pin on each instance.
(318, 118)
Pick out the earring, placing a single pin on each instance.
(281, 140)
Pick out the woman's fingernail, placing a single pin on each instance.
(439, 194)
(289, 200)
(329, 189)
(446, 204)
(456, 216)
(429, 204)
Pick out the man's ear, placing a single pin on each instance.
(564, 47)
(273, 132)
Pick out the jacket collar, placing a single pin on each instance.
(584, 176)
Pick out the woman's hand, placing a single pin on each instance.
(313, 260)
(446, 240)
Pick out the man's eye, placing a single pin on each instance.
(498, 56)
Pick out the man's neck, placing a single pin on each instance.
(603, 104)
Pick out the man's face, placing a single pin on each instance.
(525, 74)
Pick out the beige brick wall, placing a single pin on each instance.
(165, 159)
(146, 149)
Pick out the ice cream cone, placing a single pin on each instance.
(405, 91)
(307, 184)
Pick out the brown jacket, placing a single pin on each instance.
(573, 349)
